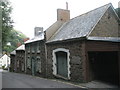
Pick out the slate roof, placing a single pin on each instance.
(13, 52)
(22, 47)
(80, 26)
(40, 37)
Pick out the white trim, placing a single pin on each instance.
(54, 60)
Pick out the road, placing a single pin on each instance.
(16, 80)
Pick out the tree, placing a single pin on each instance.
(15, 37)
(6, 20)
(118, 11)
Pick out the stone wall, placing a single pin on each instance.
(107, 26)
(20, 57)
(35, 54)
(12, 62)
(75, 49)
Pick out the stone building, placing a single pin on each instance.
(84, 48)
(12, 61)
(20, 59)
(35, 54)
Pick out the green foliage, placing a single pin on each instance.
(118, 11)
(6, 20)
(10, 37)
(14, 38)
(3, 67)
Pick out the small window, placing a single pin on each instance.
(28, 63)
(28, 48)
(33, 48)
(18, 63)
(38, 65)
(38, 47)
(22, 66)
(109, 17)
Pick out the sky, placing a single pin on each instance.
(28, 14)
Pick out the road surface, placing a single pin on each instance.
(16, 80)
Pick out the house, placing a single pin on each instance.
(86, 47)
(4, 61)
(35, 54)
(20, 59)
(12, 61)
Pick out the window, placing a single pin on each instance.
(38, 65)
(22, 66)
(33, 48)
(18, 63)
(28, 48)
(38, 47)
(28, 63)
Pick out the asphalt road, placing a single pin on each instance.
(16, 80)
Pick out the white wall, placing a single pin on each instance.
(4, 60)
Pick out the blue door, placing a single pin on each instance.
(61, 60)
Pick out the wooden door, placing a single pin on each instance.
(61, 60)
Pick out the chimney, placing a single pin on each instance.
(66, 5)
(63, 15)
(38, 31)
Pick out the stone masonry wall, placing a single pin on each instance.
(36, 54)
(75, 49)
(107, 26)
(20, 57)
(12, 63)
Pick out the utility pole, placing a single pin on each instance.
(0, 31)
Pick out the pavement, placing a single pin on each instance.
(99, 84)
(16, 80)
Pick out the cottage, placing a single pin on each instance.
(4, 61)
(35, 54)
(12, 61)
(20, 59)
(86, 47)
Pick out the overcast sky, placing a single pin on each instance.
(28, 14)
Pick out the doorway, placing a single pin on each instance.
(104, 66)
(61, 64)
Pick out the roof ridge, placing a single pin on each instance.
(75, 30)
(92, 10)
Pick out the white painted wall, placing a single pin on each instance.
(4, 60)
